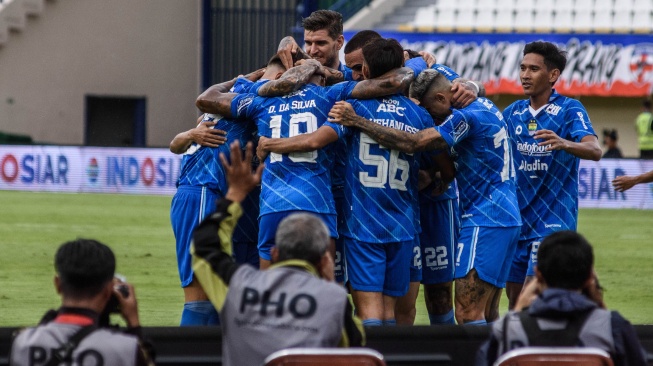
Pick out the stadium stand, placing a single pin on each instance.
(559, 16)
(555, 356)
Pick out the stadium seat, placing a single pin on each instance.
(582, 20)
(602, 20)
(466, 16)
(425, 17)
(563, 20)
(505, 19)
(622, 20)
(584, 5)
(641, 21)
(325, 357)
(543, 20)
(524, 20)
(445, 18)
(555, 356)
(486, 17)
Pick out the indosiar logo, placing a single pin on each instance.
(34, 169)
(131, 171)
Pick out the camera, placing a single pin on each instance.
(113, 306)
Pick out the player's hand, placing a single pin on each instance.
(551, 140)
(205, 135)
(463, 94)
(128, 305)
(343, 113)
(261, 148)
(287, 49)
(623, 183)
(255, 75)
(423, 179)
(428, 57)
(240, 178)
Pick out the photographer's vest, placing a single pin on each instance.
(644, 124)
(35, 346)
(591, 329)
(284, 306)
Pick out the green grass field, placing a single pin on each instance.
(33, 225)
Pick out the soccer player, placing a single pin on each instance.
(476, 137)
(299, 181)
(549, 133)
(380, 192)
(201, 181)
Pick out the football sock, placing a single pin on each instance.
(372, 322)
(390, 322)
(199, 313)
(447, 318)
(477, 322)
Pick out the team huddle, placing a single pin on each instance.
(418, 178)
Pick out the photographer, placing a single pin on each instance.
(77, 333)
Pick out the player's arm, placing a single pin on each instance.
(428, 139)
(211, 249)
(287, 50)
(203, 135)
(216, 99)
(291, 80)
(626, 182)
(587, 148)
(300, 143)
(393, 82)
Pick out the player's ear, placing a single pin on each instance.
(365, 70)
(554, 75)
(340, 41)
(57, 284)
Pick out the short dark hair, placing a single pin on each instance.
(324, 19)
(554, 57)
(360, 39)
(382, 55)
(612, 133)
(84, 267)
(276, 59)
(565, 259)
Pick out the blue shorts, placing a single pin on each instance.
(524, 261)
(489, 250)
(379, 267)
(190, 205)
(340, 264)
(416, 263)
(440, 229)
(268, 224)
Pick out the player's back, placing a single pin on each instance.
(547, 180)
(295, 181)
(381, 184)
(484, 166)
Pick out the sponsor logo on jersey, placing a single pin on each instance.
(390, 106)
(552, 225)
(518, 130)
(443, 70)
(461, 128)
(532, 149)
(553, 109)
(519, 113)
(582, 119)
(244, 103)
(537, 165)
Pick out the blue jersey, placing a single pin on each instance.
(446, 71)
(200, 165)
(381, 184)
(296, 181)
(547, 181)
(478, 140)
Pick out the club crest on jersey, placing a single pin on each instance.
(553, 109)
(243, 103)
(532, 127)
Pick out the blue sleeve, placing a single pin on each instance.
(242, 85)
(454, 129)
(255, 86)
(417, 64)
(580, 121)
(340, 91)
(340, 129)
(346, 73)
(242, 106)
(446, 71)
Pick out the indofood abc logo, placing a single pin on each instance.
(93, 170)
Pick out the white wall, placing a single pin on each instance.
(144, 48)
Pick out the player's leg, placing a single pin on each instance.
(339, 262)
(532, 261)
(189, 206)
(472, 296)
(398, 257)
(438, 240)
(245, 236)
(267, 229)
(517, 272)
(366, 272)
(492, 306)
(405, 310)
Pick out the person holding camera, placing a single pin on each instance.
(78, 333)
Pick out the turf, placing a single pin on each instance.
(32, 225)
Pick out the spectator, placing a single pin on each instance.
(625, 182)
(75, 334)
(610, 138)
(644, 127)
(294, 303)
(566, 308)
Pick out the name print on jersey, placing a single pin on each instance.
(296, 104)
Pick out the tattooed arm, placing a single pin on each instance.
(428, 139)
(392, 82)
(291, 80)
(216, 100)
